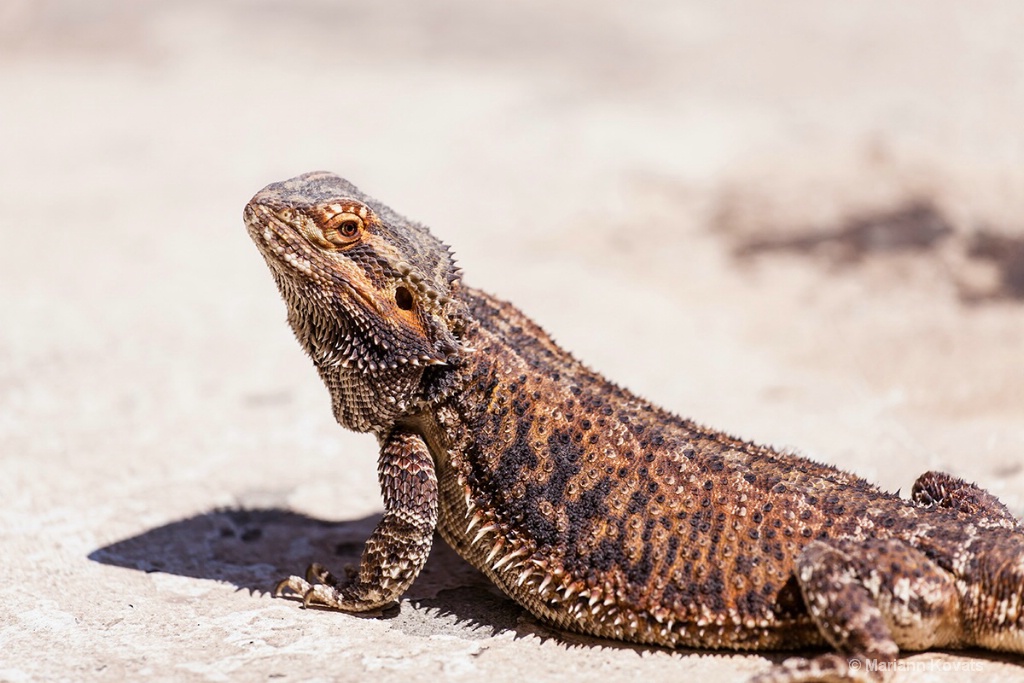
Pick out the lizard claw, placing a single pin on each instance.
(310, 593)
(317, 573)
(294, 584)
(314, 596)
(320, 587)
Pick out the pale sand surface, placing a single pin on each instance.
(798, 221)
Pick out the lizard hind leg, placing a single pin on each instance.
(398, 548)
(869, 599)
(992, 586)
(938, 489)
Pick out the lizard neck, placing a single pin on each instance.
(369, 391)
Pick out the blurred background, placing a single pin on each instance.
(799, 221)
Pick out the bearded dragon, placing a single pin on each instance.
(595, 510)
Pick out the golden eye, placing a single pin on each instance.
(343, 229)
(349, 228)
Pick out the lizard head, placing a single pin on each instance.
(370, 294)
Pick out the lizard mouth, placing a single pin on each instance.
(285, 251)
(292, 256)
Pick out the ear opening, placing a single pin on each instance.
(403, 298)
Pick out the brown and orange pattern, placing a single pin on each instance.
(595, 510)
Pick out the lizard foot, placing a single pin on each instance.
(294, 584)
(315, 594)
(317, 573)
(320, 587)
(830, 668)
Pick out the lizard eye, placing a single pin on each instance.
(349, 229)
(343, 229)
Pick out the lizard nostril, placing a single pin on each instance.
(403, 297)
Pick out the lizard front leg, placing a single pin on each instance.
(398, 548)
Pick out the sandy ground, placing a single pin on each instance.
(798, 221)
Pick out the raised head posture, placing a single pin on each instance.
(593, 509)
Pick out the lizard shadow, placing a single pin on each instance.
(254, 548)
(250, 548)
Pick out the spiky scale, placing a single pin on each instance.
(693, 536)
(484, 530)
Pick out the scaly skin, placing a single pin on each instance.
(593, 509)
